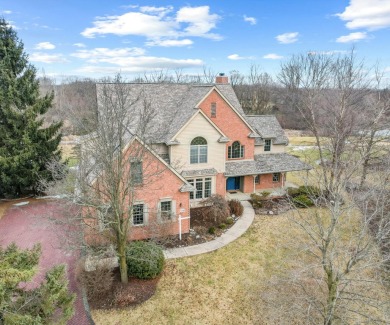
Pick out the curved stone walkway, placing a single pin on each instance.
(238, 229)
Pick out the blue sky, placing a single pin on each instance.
(101, 38)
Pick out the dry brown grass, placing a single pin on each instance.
(4, 205)
(227, 286)
(222, 287)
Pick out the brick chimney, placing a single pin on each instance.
(221, 79)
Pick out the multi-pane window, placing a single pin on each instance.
(236, 150)
(136, 172)
(138, 214)
(166, 210)
(202, 188)
(257, 179)
(276, 177)
(213, 110)
(267, 145)
(198, 151)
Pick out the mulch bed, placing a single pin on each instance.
(274, 206)
(199, 231)
(121, 295)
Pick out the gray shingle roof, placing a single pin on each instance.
(268, 127)
(172, 105)
(265, 164)
(199, 172)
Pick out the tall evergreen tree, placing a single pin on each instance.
(25, 145)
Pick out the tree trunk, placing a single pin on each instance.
(122, 261)
(331, 300)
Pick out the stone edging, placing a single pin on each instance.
(238, 229)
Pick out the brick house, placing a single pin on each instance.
(207, 145)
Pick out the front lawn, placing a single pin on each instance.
(222, 287)
(227, 286)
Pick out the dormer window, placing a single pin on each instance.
(198, 151)
(267, 145)
(213, 110)
(236, 150)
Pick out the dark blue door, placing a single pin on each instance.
(233, 183)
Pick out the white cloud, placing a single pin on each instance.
(103, 54)
(79, 45)
(141, 64)
(170, 42)
(199, 20)
(366, 14)
(238, 57)
(45, 46)
(272, 56)
(6, 12)
(47, 58)
(250, 20)
(352, 37)
(157, 22)
(157, 10)
(287, 38)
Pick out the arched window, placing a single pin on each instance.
(236, 150)
(198, 152)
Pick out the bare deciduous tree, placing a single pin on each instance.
(115, 166)
(343, 269)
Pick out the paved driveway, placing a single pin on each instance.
(30, 224)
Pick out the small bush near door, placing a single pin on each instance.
(145, 260)
(236, 208)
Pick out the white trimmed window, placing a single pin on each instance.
(257, 179)
(139, 214)
(202, 188)
(236, 150)
(198, 151)
(167, 210)
(267, 144)
(276, 177)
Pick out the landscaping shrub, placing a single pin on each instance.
(217, 208)
(258, 200)
(302, 201)
(145, 260)
(222, 226)
(212, 230)
(96, 283)
(236, 208)
(304, 196)
(229, 221)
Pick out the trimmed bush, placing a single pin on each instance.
(256, 200)
(236, 208)
(145, 260)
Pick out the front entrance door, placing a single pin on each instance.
(233, 183)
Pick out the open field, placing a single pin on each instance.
(227, 286)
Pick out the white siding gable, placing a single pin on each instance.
(199, 126)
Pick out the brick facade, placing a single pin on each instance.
(230, 124)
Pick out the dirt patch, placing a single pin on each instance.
(121, 295)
